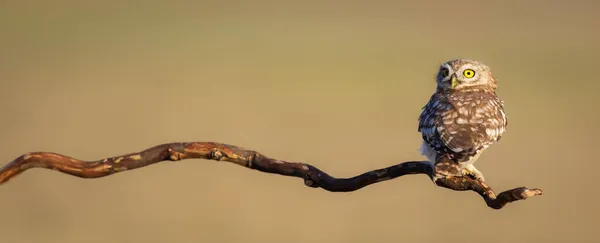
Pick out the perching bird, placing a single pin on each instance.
(464, 116)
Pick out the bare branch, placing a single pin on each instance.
(313, 177)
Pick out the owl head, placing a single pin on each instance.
(465, 74)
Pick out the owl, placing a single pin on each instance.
(463, 117)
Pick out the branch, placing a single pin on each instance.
(313, 177)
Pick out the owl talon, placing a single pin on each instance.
(472, 172)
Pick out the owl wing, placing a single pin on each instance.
(462, 127)
(431, 123)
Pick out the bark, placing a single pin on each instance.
(443, 174)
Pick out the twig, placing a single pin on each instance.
(442, 175)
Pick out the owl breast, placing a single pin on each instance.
(462, 124)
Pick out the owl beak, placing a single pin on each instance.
(454, 81)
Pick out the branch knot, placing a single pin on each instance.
(174, 155)
(216, 154)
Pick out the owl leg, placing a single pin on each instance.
(470, 170)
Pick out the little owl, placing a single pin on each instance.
(463, 117)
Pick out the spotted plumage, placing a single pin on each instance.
(464, 116)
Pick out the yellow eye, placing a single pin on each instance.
(469, 73)
(445, 72)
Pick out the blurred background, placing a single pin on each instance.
(336, 84)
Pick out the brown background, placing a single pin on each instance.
(337, 84)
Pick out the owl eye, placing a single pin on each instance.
(445, 72)
(469, 73)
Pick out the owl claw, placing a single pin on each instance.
(472, 172)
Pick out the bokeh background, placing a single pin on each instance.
(338, 84)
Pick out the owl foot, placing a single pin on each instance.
(473, 172)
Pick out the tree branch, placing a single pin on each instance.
(313, 177)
